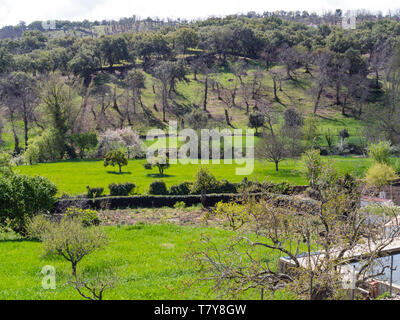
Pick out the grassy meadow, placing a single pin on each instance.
(72, 177)
(149, 260)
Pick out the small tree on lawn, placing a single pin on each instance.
(162, 163)
(114, 158)
(71, 240)
(272, 147)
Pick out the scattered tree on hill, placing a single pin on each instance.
(256, 120)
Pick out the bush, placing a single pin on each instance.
(313, 163)
(197, 119)
(84, 142)
(180, 205)
(180, 189)
(256, 120)
(224, 186)
(121, 189)
(158, 187)
(47, 147)
(234, 213)
(86, 216)
(22, 197)
(380, 152)
(5, 163)
(94, 192)
(37, 227)
(205, 182)
(396, 166)
(380, 174)
(141, 201)
(266, 186)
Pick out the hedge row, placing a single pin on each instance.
(148, 201)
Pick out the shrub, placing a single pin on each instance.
(266, 186)
(234, 213)
(380, 174)
(205, 182)
(256, 120)
(380, 152)
(121, 189)
(224, 186)
(396, 166)
(313, 162)
(114, 158)
(38, 226)
(94, 192)
(180, 205)
(180, 189)
(5, 164)
(158, 187)
(148, 166)
(84, 142)
(86, 216)
(197, 119)
(22, 197)
(47, 147)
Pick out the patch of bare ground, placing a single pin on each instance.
(193, 216)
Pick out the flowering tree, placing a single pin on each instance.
(125, 139)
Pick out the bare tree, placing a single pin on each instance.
(318, 241)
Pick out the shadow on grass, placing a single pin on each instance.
(157, 175)
(119, 173)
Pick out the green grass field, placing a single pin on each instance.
(149, 259)
(72, 177)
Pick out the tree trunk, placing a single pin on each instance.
(318, 99)
(276, 165)
(338, 94)
(228, 122)
(74, 269)
(26, 130)
(275, 90)
(17, 150)
(205, 94)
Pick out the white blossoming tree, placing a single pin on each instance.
(125, 139)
